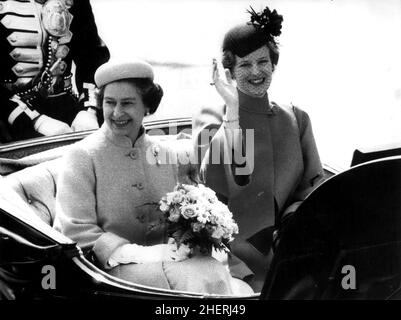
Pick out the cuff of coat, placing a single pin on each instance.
(105, 245)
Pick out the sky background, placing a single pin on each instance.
(340, 60)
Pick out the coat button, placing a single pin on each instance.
(133, 154)
(62, 66)
(54, 45)
(139, 186)
(62, 52)
(16, 54)
(13, 38)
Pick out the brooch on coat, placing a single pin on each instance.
(156, 152)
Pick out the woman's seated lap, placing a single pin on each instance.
(200, 274)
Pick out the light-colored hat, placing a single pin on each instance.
(119, 70)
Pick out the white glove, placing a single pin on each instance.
(182, 253)
(85, 120)
(49, 126)
(133, 253)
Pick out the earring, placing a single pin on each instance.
(147, 112)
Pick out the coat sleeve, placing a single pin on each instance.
(22, 126)
(76, 215)
(313, 174)
(216, 165)
(87, 49)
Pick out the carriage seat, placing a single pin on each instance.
(36, 182)
(36, 185)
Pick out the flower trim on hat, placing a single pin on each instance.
(267, 22)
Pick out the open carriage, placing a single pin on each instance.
(344, 242)
(352, 219)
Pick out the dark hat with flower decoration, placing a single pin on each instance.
(262, 28)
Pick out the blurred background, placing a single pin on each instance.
(340, 60)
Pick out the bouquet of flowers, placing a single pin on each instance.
(196, 218)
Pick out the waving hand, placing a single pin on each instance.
(226, 89)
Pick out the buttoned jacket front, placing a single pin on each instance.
(108, 190)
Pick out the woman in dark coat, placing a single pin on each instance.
(260, 156)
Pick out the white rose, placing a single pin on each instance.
(189, 211)
(178, 197)
(164, 206)
(217, 233)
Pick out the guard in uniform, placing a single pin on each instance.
(39, 42)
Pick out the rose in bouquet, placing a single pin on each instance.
(196, 218)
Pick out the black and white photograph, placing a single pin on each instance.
(214, 150)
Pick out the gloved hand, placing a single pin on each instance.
(133, 253)
(49, 126)
(182, 252)
(85, 120)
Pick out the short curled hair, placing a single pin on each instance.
(150, 92)
(228, 57)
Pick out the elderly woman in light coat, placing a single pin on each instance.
(110, 181)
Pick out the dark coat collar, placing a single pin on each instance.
(256, 104)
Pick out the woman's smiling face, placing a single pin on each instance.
(123, 108)
(253, 72)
